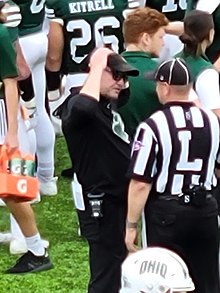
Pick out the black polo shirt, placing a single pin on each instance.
(100, 156)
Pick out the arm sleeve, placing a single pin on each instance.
(143, 159)
(207, 89)
(52, 13)
(13, 14)
(132, 4)
(8, 56)
(208, 6)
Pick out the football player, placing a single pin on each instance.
(80, 27)
(33, 42)
(11, 17)
(36, 259)
(174, 10)
(76, 28)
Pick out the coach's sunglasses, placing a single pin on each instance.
(118, 75)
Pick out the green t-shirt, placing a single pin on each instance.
(7, 55)
(86, 25)
(214, 50)
(33, 12)
(174, 10)
(197, 64)
(143, 100)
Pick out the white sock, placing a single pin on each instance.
(44, 173)
(15, 229)
(35, 245)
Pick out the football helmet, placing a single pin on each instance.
(155, 270)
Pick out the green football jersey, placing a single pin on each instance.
(86, 25)
(33, 12)
(7, 55)
(214, 50)
(173, 9)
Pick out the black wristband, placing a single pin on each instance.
(132, 225)
(26, 86)
(53, 79)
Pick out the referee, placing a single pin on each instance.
(174, 156)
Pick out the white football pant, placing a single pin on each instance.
(34, 48)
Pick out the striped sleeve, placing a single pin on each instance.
(132, 4)
(144, 149)
(13, 15)
(52, 16)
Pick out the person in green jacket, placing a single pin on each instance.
(143, 31)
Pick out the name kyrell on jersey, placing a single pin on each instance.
(89, 6)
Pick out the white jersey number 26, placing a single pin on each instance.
(96, 32)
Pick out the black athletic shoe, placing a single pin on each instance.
(30, 263)
(67, 173)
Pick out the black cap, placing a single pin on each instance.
(173, 71)
(117, 63)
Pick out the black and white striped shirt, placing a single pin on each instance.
(176, 147)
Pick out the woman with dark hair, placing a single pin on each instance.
(198, 35)
(213, 7)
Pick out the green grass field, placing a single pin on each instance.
(57, 222)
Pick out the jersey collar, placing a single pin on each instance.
(179, 103)
(136, 54)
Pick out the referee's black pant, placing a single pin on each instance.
(190, 231)
(107, 249)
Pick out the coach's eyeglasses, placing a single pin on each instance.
(118, 75)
